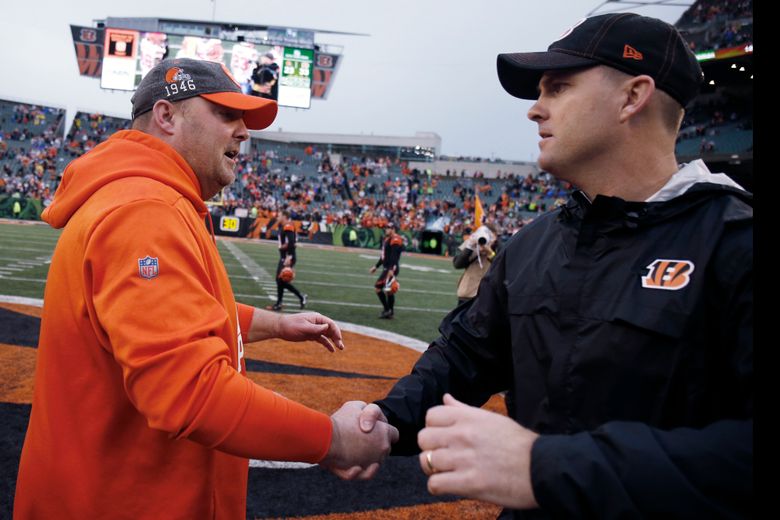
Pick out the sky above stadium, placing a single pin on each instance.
(425, 66)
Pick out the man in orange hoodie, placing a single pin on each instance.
(141, 406)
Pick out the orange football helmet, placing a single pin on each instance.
(287, 274)
(392, 285)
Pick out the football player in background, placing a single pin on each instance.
(387, 284)
(284, 269)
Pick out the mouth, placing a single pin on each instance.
(546, 136)
(232, 155)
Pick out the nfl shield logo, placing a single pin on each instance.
(148, 267)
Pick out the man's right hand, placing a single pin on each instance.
(372, 270)
(361, 440)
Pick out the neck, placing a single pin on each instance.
(632, 176)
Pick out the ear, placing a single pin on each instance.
(163, 116)
(638, 90)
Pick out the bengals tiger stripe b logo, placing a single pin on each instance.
(671, 275)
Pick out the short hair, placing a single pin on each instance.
(671, 111)
(141, 122)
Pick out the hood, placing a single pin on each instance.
(691, 186)
(127, 153)
(695, 172)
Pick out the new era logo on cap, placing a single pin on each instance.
(631, 53)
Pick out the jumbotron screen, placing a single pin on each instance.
(271, 71)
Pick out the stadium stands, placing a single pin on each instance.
(717, 24)
(719, 122)
(367, 185)
(88, 130)
(718, 126)
(30, 139)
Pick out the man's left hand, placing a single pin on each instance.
(478, 454)
(310, 326)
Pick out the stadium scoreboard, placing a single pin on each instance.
(286, 66)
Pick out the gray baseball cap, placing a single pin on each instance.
(177, 79)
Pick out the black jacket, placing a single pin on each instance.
(643, 395)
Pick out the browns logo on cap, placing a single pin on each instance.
(174, 74)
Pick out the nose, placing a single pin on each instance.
(241, 133)
(536, 113)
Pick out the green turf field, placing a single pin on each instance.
(337, 281)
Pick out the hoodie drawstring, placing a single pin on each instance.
(211, 228)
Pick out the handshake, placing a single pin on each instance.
(466, 451)
(360, 442)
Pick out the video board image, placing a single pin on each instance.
(275, 72)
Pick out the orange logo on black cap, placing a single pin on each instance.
(671, 275)
(632, 54)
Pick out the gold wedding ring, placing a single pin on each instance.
(429, 460)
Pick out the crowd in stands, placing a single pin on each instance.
(708, 117)
(706, 11)
(89, 130)
(32, 151)
(341, 188)
(30, 140)
(370, 191)
(717, 24)
(313, 184)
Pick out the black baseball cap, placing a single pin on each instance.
(177, 79)
(628, 42)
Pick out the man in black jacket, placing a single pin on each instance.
(621, 322)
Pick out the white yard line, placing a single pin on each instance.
(20, 300)
(260, 276)
(19, 279)
(36, 250)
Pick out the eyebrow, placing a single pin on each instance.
(549, 77)
(233, 112)
(553, 75)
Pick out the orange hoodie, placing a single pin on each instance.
(141, 408)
